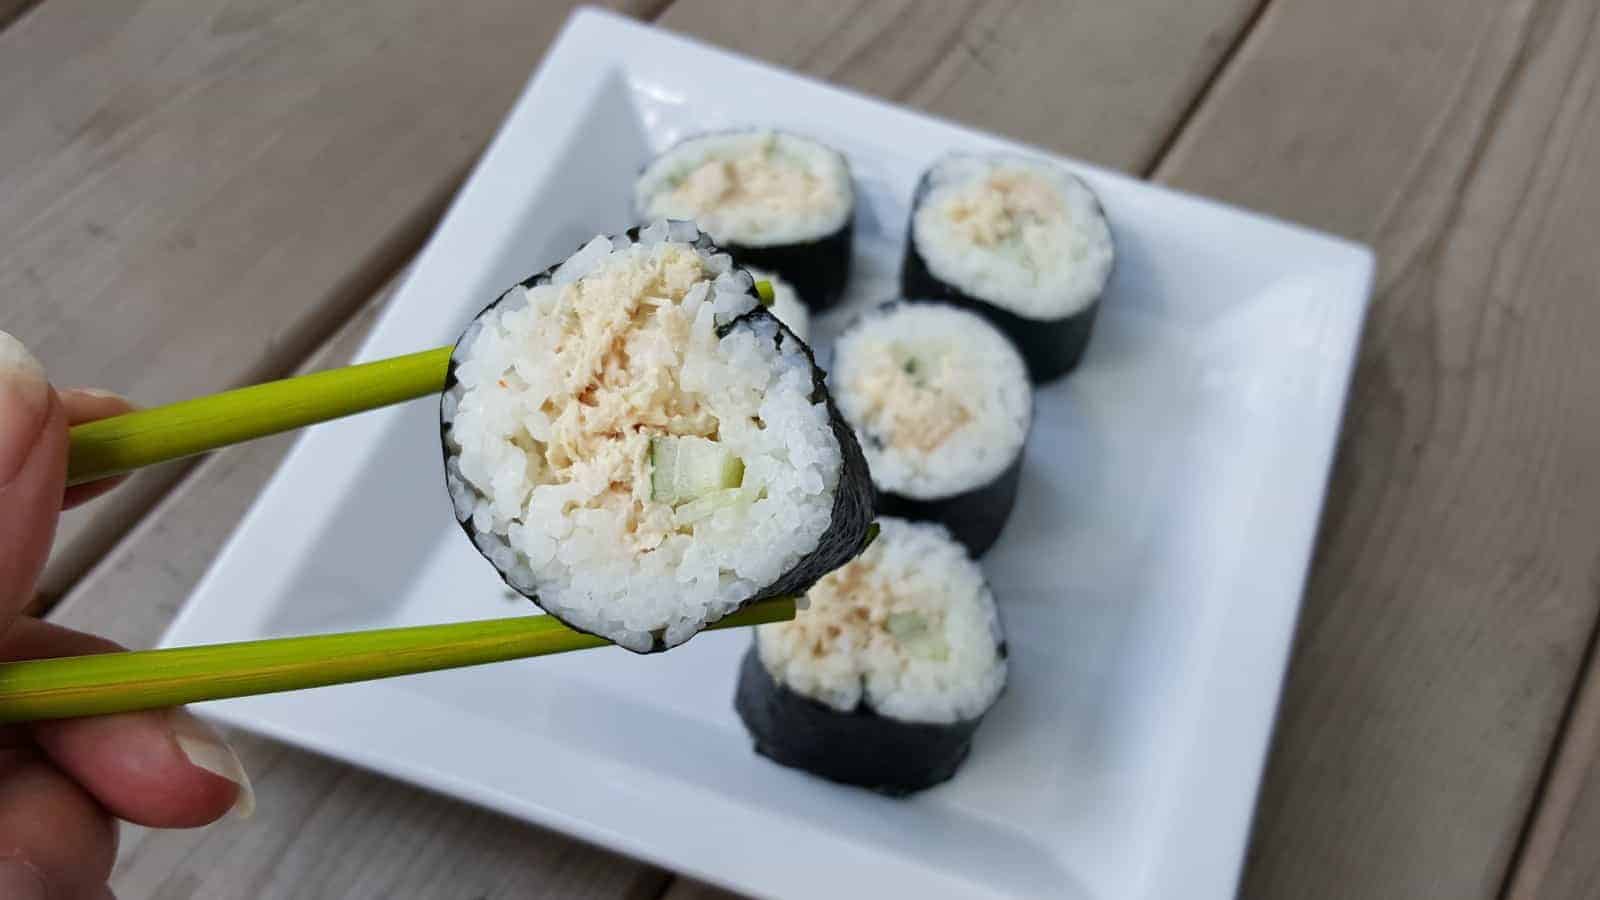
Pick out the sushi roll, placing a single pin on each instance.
(786, 303)
(942, 405)
(1021, 241)
(640, 448)
(775, 201)
(882, 680)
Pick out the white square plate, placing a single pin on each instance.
(1149, 577)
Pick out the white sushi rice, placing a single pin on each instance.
(786, 303)
(940, 398)
(908, 628)
(561, 388)
(751, 188)
(1022, 234)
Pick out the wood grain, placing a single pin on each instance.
(192, 195)
(1458, 576)
(1107, 82)
(1557, 861)
(689, 889)
(11, 10)
(322, 829)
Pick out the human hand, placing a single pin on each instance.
(63, 784)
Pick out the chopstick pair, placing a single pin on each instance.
(146, 679)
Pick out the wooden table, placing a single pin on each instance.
(196, 195)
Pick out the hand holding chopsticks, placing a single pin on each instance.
(120, 682)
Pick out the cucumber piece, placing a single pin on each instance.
(686, 468)
(917, 636)
(906, 625)
(707, 506)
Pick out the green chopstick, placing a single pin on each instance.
(149, 679)
(123, 443)
(134, 440)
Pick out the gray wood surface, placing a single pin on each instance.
(683, 888)
(1558, 857)
(1107, 82)
(1455, 587)
(11, 10)
(193, 195)
(1458, 577)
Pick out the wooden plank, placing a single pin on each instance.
(690, 889)
(11, 10)
(1557, 861)
(192, 195)
(1103, 81)
(1455, 586)
(321, 829)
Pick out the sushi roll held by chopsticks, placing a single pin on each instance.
(942, 405)
(883, 679)
(1021, 241)
(641, 448)
(776, 201)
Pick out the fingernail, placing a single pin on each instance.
(205, 749)
(19, 879)
(100, 394)
(24, 401)
(19, 366)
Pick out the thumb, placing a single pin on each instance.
(33, 464)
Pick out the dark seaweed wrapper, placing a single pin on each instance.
(974, 517)
(817, 269)
(859, 747)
